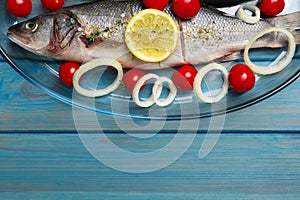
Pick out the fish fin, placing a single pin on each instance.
(291, 22)
(217, 11)
(234, 56)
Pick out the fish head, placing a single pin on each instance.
(47, 35)
(33, 35)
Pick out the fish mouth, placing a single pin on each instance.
(19, 40)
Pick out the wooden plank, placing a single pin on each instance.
(26, 108)
(241, 166)
(66, 195)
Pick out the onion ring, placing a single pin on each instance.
(136, 90)
(282, 63)
(157, 89)
(91, 65)
(242, 15)
(198, 80)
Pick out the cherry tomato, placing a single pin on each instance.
(271, 8)
(66, 72)
(241, 78)
(183, 78)
(53, 5)
(19, 8)
(131, 77)
(156, 4)
(186, 9)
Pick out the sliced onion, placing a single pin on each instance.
(91, 65)
(199, 78)
(157, 90)
(136, 90)
(282, 63)
(242, 15)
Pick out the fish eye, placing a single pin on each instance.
(31, 26)
(72, 20)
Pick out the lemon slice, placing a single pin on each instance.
(151, 35)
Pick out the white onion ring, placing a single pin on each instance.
(198, 80)
(91, 65)
(282, 63)
(242, 15)
(157, 90)
(136, 90)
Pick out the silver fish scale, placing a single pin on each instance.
(138, 6)
(211, 33)
(107, 20)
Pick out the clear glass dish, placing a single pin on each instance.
(43, 72)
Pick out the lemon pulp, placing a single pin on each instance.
(151, 35)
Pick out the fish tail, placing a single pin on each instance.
(291, 22)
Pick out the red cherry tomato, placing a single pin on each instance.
(186, 9)
(271, 8)
(183, 78)
(53, 5)
(66, 72)
(131, 77)
(156, 4)
(19, 8)
(241, 78)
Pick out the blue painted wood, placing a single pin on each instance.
(251, 161)
(57, 166)
(241, 166)
(144, 196)
(24, 107)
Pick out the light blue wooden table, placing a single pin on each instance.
(42, 157)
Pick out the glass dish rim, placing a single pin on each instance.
(231, 109)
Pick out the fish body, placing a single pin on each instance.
(85, 32)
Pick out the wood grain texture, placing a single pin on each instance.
(26, 108)
(257, 158)
(241, 166)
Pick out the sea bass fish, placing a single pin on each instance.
(88, 31)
